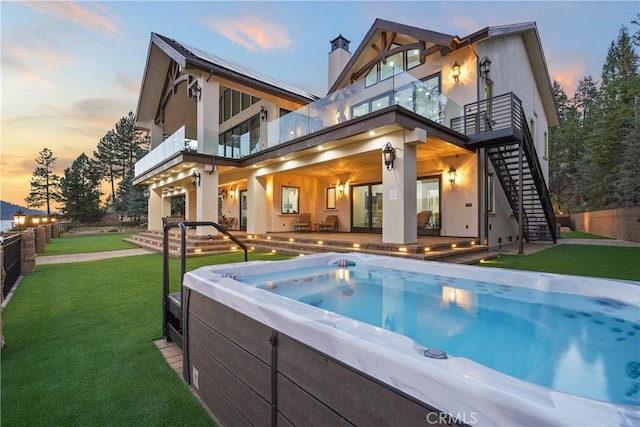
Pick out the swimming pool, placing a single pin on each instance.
(522, 347)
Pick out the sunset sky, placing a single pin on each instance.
(71, 69)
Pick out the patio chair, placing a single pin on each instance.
(303, 223)
(423, 221)
(329, 224)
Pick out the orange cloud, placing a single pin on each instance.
(79, 14)
(568, 79)
(28, 59)
(253, 33)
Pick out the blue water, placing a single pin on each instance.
(589, 347)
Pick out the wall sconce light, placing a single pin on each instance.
(45, 219)
(223, 193)
(455, 71)
(19, 218)
(232, 192)
(389, 155)
(35, 220)
(485, 67)
(264, 114)
(452, 176)
(341, 188)
(146, 192)
(195, 179)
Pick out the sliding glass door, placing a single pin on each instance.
(366, 208)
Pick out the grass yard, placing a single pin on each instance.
(583, 260)
(80, 346)
(80, 244)
(580, 235)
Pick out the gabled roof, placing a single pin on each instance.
(189, 57)
(440, 40)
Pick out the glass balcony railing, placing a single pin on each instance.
(356, 100)
(173, 144)
(351, 102)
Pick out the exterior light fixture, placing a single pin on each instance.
(232, 192)
(45, 219)
(35, 220)
(264, 114)
(195, 178)
(223, 193)
(485, 67)
(455, 71)
(146, 192)
(389, 155)
(452, 176)
(19, 218)
(341, 188)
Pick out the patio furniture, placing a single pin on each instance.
(226, 222)
(329, 224)
(423, 222)
(303, 223)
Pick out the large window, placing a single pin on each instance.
(428, 200)
(233, 102)
(290, 200)
(241, 140)
(392, 65)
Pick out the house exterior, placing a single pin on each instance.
(462, 123)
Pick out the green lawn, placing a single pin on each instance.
(84, 244)
(580, 235)
(583, 260)
(80, 346)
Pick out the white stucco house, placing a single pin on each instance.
(464, 120)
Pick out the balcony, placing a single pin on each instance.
(356, 100)
(173, 144)
(349, 103)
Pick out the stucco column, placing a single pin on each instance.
(257, 204)
(155, 210)
(399, 190)
(207, 116)
(207, 200)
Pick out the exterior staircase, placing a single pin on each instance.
(500, 126)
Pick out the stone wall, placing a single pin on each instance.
(28, 251)
(623, 223)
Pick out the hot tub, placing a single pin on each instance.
(260, 357)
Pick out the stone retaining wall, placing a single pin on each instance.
(623, 223)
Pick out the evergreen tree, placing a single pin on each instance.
(611, 121)
(80, 191)
(44, 183)
(107, 159)
(131, 199)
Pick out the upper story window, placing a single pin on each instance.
(233, 102)
(392, 66)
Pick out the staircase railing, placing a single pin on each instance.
(498, 123)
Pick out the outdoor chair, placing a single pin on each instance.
(329, 224)
(303, 223)
(423, 221)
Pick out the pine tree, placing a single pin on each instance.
(44, 183)
(80, 191)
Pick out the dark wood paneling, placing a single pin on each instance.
(248, 368)
(247, 333)
(302, 409)
(359, 399)
(255, 409)
(222, 410)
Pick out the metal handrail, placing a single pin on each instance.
(183, 253)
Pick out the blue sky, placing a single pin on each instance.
(71, 69)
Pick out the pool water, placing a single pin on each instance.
(584, 346)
